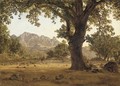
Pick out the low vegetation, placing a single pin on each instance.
(54, 74)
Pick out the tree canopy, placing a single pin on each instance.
(65, 9)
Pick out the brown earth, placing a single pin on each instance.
(54, 74)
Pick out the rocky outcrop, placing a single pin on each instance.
(35, 42)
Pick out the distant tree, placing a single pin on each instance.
(105, 45)
(15, 45)
(50, 54)
(60, 51)
(99, 44)
(101, 41)
(23, 51)
(4, 38)
(116, 48)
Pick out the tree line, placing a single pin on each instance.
(12, 46)
(9, 44)
(106, 46)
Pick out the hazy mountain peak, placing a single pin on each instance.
(42, 42)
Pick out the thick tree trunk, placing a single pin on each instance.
(76, 41)
(77, 62)
(75, 45)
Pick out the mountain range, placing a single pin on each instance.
(43, 43)
(35, 42)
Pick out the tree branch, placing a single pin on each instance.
(52, 5)
(57, 12)
(78, 7)
(89, 8)
(68, 28)
(101, 1)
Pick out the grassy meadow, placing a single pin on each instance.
(53, 74)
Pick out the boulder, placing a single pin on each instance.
(16, 77)
(59, 77)
(43, 77)
(111, 67)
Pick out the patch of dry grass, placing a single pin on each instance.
(54, 74)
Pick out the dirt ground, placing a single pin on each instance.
(53, 74)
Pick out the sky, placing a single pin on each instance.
(47, 28)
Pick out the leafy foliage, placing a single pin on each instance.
(60, 51)
(50, 54)
(15, 46)
(4, 38)
(65, 9)
(102, 41)
(105, 45)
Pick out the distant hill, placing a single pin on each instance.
(42, 43)
(89, 54)
(35, 42)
